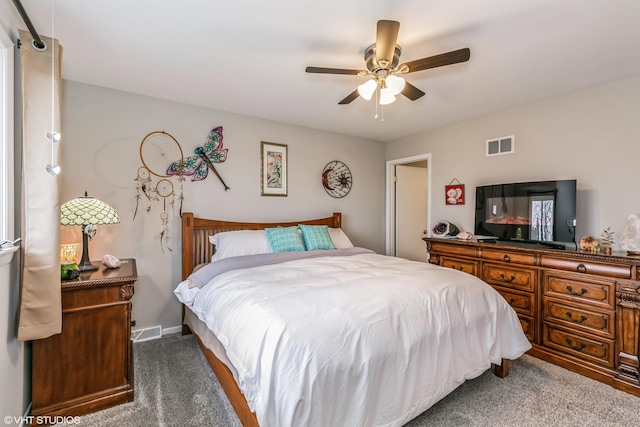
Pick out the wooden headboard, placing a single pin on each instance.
(196, 248)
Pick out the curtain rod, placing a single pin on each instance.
(37, 41)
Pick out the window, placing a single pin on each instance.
(6, 135)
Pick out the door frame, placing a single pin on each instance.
(390, 198)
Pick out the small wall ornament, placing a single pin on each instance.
(198, 166)
(336, 179)
(454, 193)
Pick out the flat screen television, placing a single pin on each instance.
(542, 212)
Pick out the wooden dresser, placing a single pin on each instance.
(89, 366)
(580, 310)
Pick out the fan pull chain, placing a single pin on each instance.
(381, 107)
(377, 90)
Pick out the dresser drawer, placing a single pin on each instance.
(586, 320)
(587, 267)
(467, 266)
(521, 302)
(505, 256)
(528, 327)
(591, 292)
(588, 349)
(515, 278)
(450, 247)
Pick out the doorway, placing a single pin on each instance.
(408, 205)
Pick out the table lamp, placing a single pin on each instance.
(87, 212)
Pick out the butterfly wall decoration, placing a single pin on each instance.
(205, 156)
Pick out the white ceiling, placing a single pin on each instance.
(249, 57)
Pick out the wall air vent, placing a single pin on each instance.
(146, 334)
(502, 145)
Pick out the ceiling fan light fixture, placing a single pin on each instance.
(386, 96)
(367, 89)
(395, 84)
(382, 61)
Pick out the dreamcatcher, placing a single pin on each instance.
(157, 150)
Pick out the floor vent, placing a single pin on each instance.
(503, 145)
(146, 334)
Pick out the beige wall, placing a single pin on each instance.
(590, 135)
(102, 130)
(13, 400)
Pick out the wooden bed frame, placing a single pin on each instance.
(196, 250)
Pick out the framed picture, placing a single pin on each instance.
(454, 194)
(273, 169)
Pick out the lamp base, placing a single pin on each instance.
(86, 266)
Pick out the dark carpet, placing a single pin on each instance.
(174, 386)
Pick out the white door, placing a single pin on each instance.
(411, 210)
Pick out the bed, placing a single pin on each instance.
(337, 337)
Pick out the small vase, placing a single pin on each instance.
(607, 250)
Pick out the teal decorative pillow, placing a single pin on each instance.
(316, 237)
(285, 239)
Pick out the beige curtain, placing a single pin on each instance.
(40, 307)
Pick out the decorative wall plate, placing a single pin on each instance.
(336, 179)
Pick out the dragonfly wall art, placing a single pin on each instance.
(205, 156)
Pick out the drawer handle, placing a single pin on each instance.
(512, 301)
(506, 258)
(581, 320)
(579, 294)
(509, 280)
(574, 347)
(581, 268)
(455, 267)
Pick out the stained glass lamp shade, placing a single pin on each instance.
(87, 212)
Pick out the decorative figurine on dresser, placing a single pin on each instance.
(579, 309)
(89, 365)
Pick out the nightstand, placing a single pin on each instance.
(89, 366)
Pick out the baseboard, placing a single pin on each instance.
(172, 330)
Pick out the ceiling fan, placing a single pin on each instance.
(383, 64)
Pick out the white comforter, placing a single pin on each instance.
(362, 340)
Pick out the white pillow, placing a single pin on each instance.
(339, 239)
(240, 243)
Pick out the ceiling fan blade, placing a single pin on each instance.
(386, 37)
(322, 70)
(453, 57)
(353, 95)
(412, 92)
